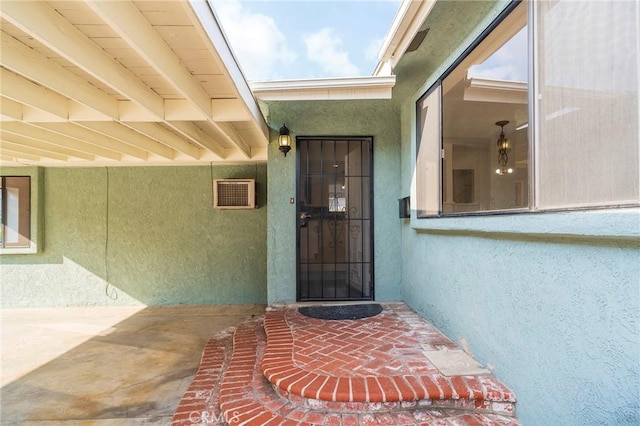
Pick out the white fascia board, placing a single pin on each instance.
(488, 90)
(410, 17)
(344, 88)
(210, 23)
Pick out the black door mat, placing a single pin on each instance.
(341, 312)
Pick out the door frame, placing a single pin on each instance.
(371, 213)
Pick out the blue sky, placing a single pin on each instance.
(291, 39)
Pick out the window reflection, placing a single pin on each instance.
(482, 97)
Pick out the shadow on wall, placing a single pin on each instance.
(130, 235)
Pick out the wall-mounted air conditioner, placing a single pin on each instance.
(234, 194)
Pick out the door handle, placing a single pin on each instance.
(304, 219)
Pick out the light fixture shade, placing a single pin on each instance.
(503, 142)
(503, 150)
(284, 140)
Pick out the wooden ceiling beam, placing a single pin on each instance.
(25, 61)
(94, 138)
(19, 148)
(67, 110)
(45, 146)
(129, 136)
(30, 131)
(22, 90)
(198, 136)
(162, 135)
(40, 21)
(10, 110)
(206, 23)
(130, 24)
(19, 155)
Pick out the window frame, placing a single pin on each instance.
(22, 204)
(435, 90)
(532, 107)
(35, 175)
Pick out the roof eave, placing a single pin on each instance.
(340, 88)
(211, 24)
(408, 21)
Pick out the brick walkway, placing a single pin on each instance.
(288, 369)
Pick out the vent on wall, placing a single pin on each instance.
(234, 194)
(417, 40)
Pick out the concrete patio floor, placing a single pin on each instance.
(104, 366)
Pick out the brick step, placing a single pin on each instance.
(200, 402)
(247, 398)
(230, 388)
(299, 365)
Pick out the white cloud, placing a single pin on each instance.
(372, 51)
(508, 63)
(325, 49)
(498, 72)
(256, 40)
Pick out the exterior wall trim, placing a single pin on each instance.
(603, 223)
(347, 88)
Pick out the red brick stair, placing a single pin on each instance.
(200, 403)
(287, 369)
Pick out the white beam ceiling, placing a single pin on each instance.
(104, 82)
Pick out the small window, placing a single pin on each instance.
(16, 211)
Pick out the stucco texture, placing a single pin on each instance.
(141, 235)
(558, 319)
(550, 302)
(376, 118)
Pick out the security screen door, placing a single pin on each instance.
(335, 222)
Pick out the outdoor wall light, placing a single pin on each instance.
(284, 140)
(503, 147)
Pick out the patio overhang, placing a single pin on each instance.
(122, 83)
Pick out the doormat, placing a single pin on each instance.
(341, 312)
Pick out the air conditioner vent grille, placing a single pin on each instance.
(234, 194)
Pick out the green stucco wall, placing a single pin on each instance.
(141, 235)
(376, 118)
(556, 317)
(549, 301)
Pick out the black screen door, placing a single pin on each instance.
(335, 222)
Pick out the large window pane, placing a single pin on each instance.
(484, 100)
(428, 154)
(587, 111)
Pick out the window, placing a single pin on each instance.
(16, 211)
(587, 108)
(478, 132)
(21, 210)
(428, 158)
